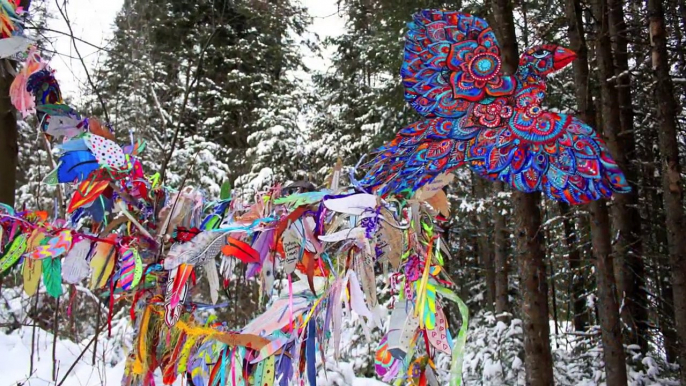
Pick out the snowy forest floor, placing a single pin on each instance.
(492, 355)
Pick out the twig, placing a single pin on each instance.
(184, 105)
(85, 68)
(54, 341)
(97, 332)
(33, 335)
(163, 114)
(64, 378)
(66, 34)
(9, 308)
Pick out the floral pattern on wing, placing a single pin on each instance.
(476, 69)
(452, 60)
(494, 113)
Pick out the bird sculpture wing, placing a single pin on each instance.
(452, 60)
(496, 126)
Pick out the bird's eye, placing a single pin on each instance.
(540, 54)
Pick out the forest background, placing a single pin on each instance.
(244, 91)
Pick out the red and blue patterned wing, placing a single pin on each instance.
(451, 60)
(574, 166)
(419, 153)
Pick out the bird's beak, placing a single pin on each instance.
(563, 57)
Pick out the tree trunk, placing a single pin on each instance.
(531, 255)
(629, 267)
(671, 171)
(577, 286)
(608, 307)
(8, 139)
(485, 245)
(502, 306)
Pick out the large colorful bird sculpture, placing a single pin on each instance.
(474, 114)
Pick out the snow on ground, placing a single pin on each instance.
(109, 367)
(15, 365)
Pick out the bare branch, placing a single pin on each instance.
(85, 68)
(186, 96)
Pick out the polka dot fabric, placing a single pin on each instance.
(108, 153)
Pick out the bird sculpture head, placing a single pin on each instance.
(545, 59)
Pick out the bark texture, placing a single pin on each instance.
(531, 253)
(8, 139)
(608, 307)
(628, 263)
(671, 180)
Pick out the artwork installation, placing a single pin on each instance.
(130, 237)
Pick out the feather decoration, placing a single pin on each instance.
(75, 144)
(357, 297)
(354, 233)
(205, 245)
(269, 371)
(53, 247)
(354, 204)
(169, 372)
(261, 245)
(9, 19)
(21, 98)
(35, 239)
(212, 279)
(13, 252)
(200, 371)
(102, 262)
(74, 166)
(258, 373)
(283, 368)
(10, 47)
(240, 250)
(97, 128)
(177, 290)
(426, 303)
(44, 87)
(300, 199)
(186, 352)
(52, 277)
(75, 266)
(439, 336)
(137, 148)
(32, 271)
(384, 362)
(270, 348)
(64, 126)
(60, 109)
(131, 268)
(107, 152)
(310, 353)
(86, 193)
(140, 365)
(218, 373)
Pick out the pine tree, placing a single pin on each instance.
(671, 170)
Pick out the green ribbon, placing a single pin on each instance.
(461, 340)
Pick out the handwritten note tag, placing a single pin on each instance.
(292, 245)
(433, 187)
(390, 240)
